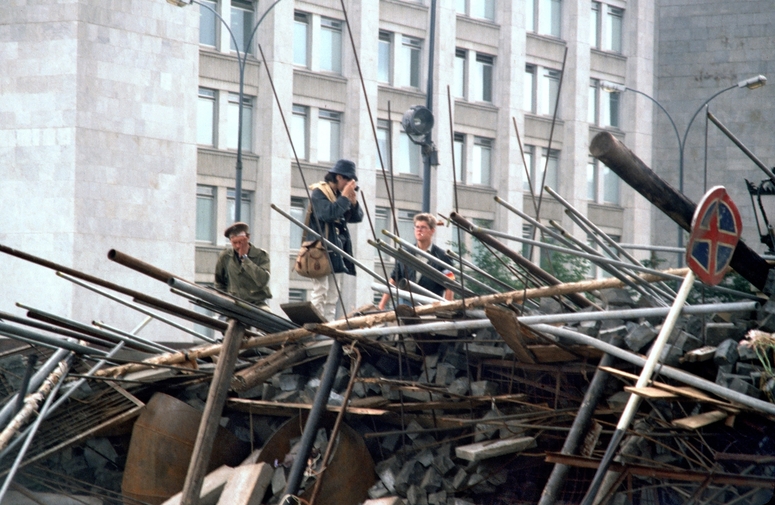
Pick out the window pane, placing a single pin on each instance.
(298, 211)
(331, 45)
(383, 67)
(528, 99)
(614, 29)
(406, 223)
(408, 66)
(383, 137)
(551, 171)
(460, 150)
(299, 131)
(242, 24)
(300, 42)
(459, 86)
(594, 25)
(233, 121)
(530, 169)
(477, 248)
(530, 11)
(609, 111)
(549, 17)
(481, 161)
(205, 213)
(246, 212)
(484, 9)
(481, 84)
(381, 222)
(408, 155)
(591, 180)
(547, 93)
(610, 186)
(207, 23)
(205, 117)
(328, 136)
(460, 6)
(592, 102)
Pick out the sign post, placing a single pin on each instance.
(716, 228)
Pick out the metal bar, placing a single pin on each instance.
(406, 295)
(32, 359)
(53, 342)
(667, 371)
(313, 419)
(742, 147)
(465, 263)
(658, 248)
(138, 309)
(415, 288)
(160, 347)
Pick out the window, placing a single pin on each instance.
(331, 45)
(594, 271)
(551, 169)
(383, 140)
(459, 84)
(460, 157)
(204, 330)
(529, 152)
(478, 250)
(381, 222)
(242, 25)
(613, 29)
(233, 122)
(594, 26)
(592, 105)
(546, 15)
(384, 56)
(609, 109)
(602, 183)
(536, 166)
(208, 23)
(610, 186)
(527, 232)
(298, 211)
(205, 214)
(205, 117)
(481, 162)
(408, 63)
(328, 135)
(405, 223)
(299, 131)
(528, 98)
(300, 39)
(409, 155)
(297, 295)
(481, 81)
(483, 9)
(547, 91)
(246, 207)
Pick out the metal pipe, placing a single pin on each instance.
(465, 263)
(658, 248)
(160, 347)
(32, 359)
(51, 328)
(667, 371)
(138, 309)
(564, 250)
(251, 315)
(420, 299)
(415, 288)
(112, 338)
(313, 419)
(52, 342)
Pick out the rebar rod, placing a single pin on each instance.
(160, 347)
(138, 309)
(407, 285)
(51, 342)
(406, 295)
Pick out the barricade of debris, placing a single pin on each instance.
(507, 397)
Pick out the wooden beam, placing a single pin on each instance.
(493, 448)
(700, 420)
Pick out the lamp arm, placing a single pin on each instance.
(686, 133)
(224, 23)
(669, 117)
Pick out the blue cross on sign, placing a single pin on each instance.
(716, 228)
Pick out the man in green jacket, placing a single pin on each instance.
(242, 270)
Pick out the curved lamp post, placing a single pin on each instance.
(242, 58)
(750, 83)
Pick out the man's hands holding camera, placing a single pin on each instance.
(350, 191)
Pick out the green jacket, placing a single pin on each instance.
(248, 280)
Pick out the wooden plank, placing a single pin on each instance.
(270, 408)
(550, 353)
(490, 448)
(700, 420)
(650, 392)
(702, 354)
(508, 327)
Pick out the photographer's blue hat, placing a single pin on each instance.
(345, 168)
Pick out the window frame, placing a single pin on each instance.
(460, 74)
(209, 193)
(547, 96)
(247, 27)
(408, 61)
(459, 139)
(482, 63)
(332, 27)
(246, 214)
(613, 39)
(385, 37)
(211, 96)
(233, 120)
(334, 145)
(207, 17)
(302, 18)
(478, 175)
(300, 111)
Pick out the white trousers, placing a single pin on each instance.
(325, 296)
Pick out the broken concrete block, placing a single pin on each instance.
(443, 463)
(459, 386)
(715, 333)
(431, 481)
(439, 498)
(616, 296)
(445, 374)
(483, 388)
(247, 485)
(416, 496)
(212, 486)
(726, 353)
(549, 306)
(484, 450)
(387, 500)
(413, 429)
(459, 479)
(744, 387)
(746, 352)
(671, 355)
(411, 474)
(640, 336)
(425, 457)
(486, 351)
(387, 471)
(378, 490)
(278, 480)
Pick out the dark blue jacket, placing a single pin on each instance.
(336, 214)
(402, 271)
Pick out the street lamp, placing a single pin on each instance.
(242, 58)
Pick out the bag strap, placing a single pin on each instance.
(306, 223)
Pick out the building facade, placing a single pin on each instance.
(496, 75)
